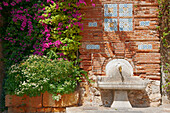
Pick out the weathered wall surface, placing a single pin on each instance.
(110, 33)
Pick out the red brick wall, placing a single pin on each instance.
(122, 44)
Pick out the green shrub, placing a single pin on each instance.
(38, 74)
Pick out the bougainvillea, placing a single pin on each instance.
(43, 27)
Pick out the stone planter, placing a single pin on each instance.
(43, 103)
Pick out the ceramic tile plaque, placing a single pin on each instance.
(144, 46)
(125, 24)
(144, 23)
(125, 10)
(110, 24)
(110, 10)
(92, 46)
(92, 24)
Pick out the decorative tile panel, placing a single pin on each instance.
(110, 10)
(125, 10)
(125, 24)
(92, 24)
(144, 46)
(144, 23)
(110, 24)
(92, 46)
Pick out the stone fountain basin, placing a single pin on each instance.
(131, 83)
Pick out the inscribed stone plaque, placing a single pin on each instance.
(125, 24)
(125, 10)
(110, 24)
(110, 10)
(92, 46)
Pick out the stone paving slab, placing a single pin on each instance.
(90, 109)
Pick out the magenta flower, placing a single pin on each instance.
(5, 3)
(64, 9)
(59, 33)
(82, 1)
(57, 6)
(52, 2)
(0, 8)
(48, 35)
(13, 3)
(66, 27)
(48, 1)
(93, 4)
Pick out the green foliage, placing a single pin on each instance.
(64, 21)
(164, 36)
(38, 74)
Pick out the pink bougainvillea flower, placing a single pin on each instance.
(57, 6)
(69, 4)
(0, 8)
(64, 9)
(27, 0)
(52, 1)
(93, 5)
(5, 3)
(58, 28)
(59, 33)
(66, 27)
(82, 1)
(48, 1)
(13, 3)
(48, 35)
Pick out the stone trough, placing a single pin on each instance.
(119, 80)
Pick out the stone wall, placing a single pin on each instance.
(107, 35)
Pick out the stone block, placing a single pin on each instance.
(58, 110)
(65, 101)
(30, 109)
(13, 100)
(16, 110)
(17, 101)
(35, 102)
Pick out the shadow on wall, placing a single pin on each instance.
(139, 98)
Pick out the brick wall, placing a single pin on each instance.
(139, 44)
(123, 44)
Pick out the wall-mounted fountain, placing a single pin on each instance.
(119, 80)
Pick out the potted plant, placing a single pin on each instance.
(40, 76)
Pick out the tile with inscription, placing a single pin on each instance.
(92, 24)
(110, 10)
(144, 23)
(110, 24)
(92, 46)
(125, 24)
(125, 10)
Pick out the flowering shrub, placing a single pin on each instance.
(46, 28)
(41, 27)
(38, 74)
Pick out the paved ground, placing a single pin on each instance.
(160, 109)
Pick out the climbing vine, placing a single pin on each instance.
(165, 40)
